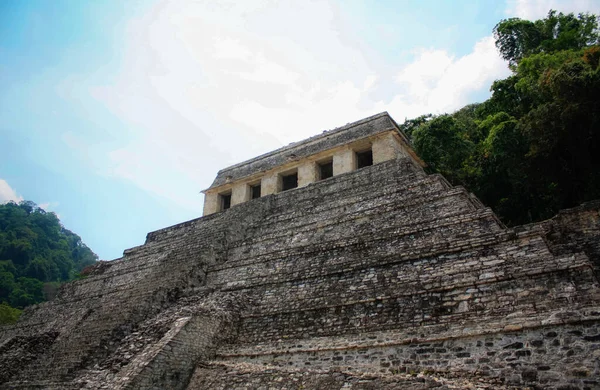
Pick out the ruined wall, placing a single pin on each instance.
(384, 271)
(574, 230)
(546, 356)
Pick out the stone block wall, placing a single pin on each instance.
(544, 356)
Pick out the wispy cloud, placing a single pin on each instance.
(7, 193)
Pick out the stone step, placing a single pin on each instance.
(207, 233)
(339, 186)
(390, 274)
(429, 333)
(491, 298)
(456, 231)
(268, 225)
(360, 208)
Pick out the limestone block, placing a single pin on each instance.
(211, 203)
(240, 193)
(307, 174)
(269, 184)
(344, 161)
(386, 148)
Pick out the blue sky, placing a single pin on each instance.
(116, 114)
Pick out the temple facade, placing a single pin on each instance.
(357, 145)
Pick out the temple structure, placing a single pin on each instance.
(336, 262)
(357, 145)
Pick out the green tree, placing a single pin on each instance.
(29, 291)
(442, 143)
(534, 146)
(8, 315)
(36, 254)
(564, 131)
(517, 38)
(410, 125)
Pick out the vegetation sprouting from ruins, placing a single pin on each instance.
(36, 254)
(533, 147)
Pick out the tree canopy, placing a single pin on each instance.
(517, 38)
(36, 254)
(534, 146)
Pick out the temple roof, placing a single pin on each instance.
(328, 139)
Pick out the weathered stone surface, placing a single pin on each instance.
(384, 277)
(574, 230)
(248, 376)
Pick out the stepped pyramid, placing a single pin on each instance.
(335, 262)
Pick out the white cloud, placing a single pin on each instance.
(438, 82)
(538, 9)
(7, 193)
(207, 84)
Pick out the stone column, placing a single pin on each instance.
(211, 203)
(307, 173)
(269, 184)
(386, 148)
(240, 193)
(344, 161)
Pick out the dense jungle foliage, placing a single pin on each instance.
(533, 148)
(36, 254)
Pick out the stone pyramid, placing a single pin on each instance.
(382, 277)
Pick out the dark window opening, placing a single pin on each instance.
(326, 170)
(225, 201)
(255, 191)
(289, 181)
(364, 159)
